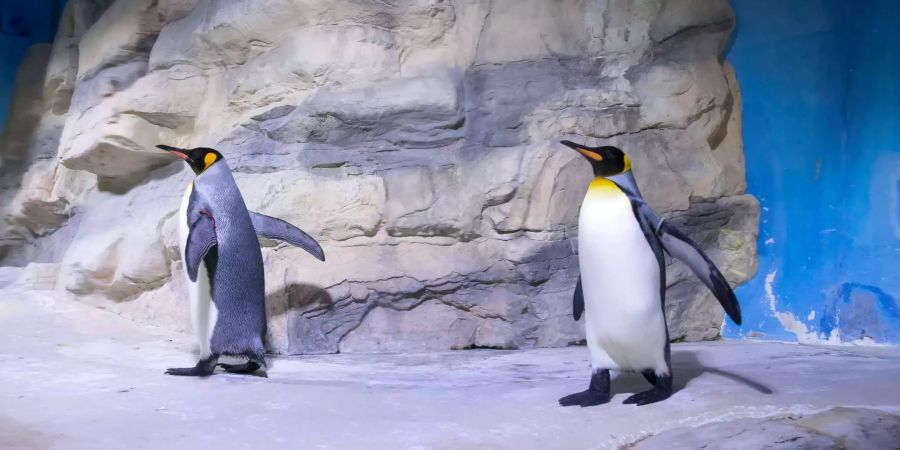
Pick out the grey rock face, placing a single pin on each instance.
(416, 140)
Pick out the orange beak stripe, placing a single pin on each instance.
(180, 155)
(590, 154)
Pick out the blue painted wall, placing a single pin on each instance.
(820, 81)
(22, 23)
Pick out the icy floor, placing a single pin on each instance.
(77, 377)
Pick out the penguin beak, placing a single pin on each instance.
(585, 151)
(175, 151)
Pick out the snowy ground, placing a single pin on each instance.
(78, 377)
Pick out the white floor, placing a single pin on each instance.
(77, 377)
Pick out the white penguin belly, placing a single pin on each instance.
(624, 321)
(203, 310)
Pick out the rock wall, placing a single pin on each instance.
(417, 140)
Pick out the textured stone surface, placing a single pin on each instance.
(26, 107)
(837, 428)
(125, 31)
(416, 140)
(28, 146)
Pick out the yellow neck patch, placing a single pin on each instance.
(627, 164)
(208, 160)
(602, 186)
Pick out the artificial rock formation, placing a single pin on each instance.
(417, 140)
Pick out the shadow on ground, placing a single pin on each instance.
(685, 368)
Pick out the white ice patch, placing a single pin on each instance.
(791, 323)
(812, 315)
(770, 241)
(804, 336)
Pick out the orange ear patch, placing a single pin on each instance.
(208, 160)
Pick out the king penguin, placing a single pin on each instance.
(622, 286)
(223, 264)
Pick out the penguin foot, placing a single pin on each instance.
(245, 368)
(189, 372)
(654, 395)
(204, 368)
(597, 392)
(584, 398)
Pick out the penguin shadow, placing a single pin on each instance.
(285, 305)
(685, 368)
(297, 297)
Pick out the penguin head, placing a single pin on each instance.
(606, 160)
(200, 158)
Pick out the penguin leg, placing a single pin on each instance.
(650, 376)
(661, 391)
(662, 384)
(597, 392)
(204, 368)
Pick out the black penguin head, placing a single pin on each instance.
(200, 158)
(606, 161)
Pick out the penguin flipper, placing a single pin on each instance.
(201, 238)
(278, 229)
(578, 301)
(687, 251)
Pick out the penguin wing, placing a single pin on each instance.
(677, 244)
(278, 229)
(578, 301)
(682, 247)
(201, 238)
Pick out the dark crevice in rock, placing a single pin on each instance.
(693, 30)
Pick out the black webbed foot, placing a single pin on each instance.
(188, 372)
(584, 398)
(245, 368)
(597, 392)
(204, 368)
(647, 397)
(662, 390)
